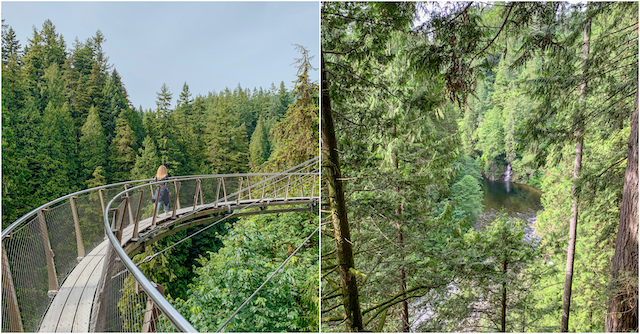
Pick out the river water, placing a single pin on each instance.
(516, 200)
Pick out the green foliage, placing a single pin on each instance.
(296, 135)
(468, 196)
(227, 138)
(122, 157)
(258, 146)
(252, 250)
(174, 268)
(93, 144)
(497, 262)
(147, 162)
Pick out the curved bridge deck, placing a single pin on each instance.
(71, 308)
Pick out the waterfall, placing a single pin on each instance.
(508, 173)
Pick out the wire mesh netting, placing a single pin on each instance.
(40, 253)
(123, 306)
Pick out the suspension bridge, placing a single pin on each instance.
(67, 267)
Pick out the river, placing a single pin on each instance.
(516, 200)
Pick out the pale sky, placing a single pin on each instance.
(208, 45)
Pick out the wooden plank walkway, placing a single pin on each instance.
(70, 310)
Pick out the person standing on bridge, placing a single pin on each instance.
(162, 192)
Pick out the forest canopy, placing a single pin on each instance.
(420, 103)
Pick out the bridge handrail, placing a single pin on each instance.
(167, 309)
(60, 205)
(33, 212)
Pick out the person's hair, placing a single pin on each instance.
(162, 172)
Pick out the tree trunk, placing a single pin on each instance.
(403, 276)
(337, 204)
(622, 311)
(503, 320)
(573, 223)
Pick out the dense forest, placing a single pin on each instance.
(422, 103)
(68, 124)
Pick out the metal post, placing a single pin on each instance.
(176, 185)
(264, 184)
(218, 193)
(114, 224)
(249, 186)
(155, 210)
(151, 313)
(137, 221)
(200, 190)
(101, 193)
(224, 189)
(195, 196)
(313, 186)
(15, 321)
(239, 191)
(120, 226)
(286, 195)
(76, 223)
(126, 186)
(48, 252)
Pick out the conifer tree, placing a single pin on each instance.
(93, 144)
(296, 135)
(147, 162)
(57, 152)
(122, 157)
(228, 150)
(258, 146)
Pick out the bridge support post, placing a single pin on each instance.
(155, 210)
(239, 191)
(114, 224)
(286, 195)
(218, 191)
(101, 193)
(151, 313)
(249, 186)
(264, 184)
(176, 207)
(313, 185)
(198, 192)
(126, 187)
(224, 189)
(48, 252)
(134, 236)
(8, 289)
(76, 223)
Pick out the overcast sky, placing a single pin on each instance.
(208, 45)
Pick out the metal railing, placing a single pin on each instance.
(226, 196)
(42, 248)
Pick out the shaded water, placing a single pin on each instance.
(516, 200)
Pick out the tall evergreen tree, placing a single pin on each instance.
(93, 144)
(258, 146)
(296, 135)
(122, 157)
(147, 162)
(227, 141)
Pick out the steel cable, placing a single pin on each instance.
(267, 281)
(151, 257)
